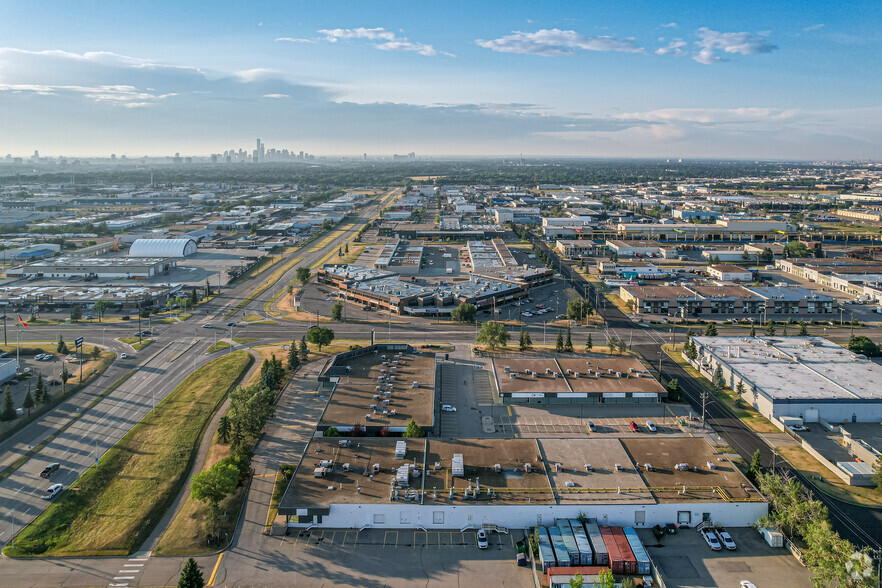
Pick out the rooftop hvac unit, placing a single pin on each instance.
(547, 370)
(376, 468)
(576, 374)
(528, 468)
(367, 417)
(609, 370)
(345, 467)
(619, 374)
(376, 396)
(558, 467)
(527, 371)
(392, 412)
(618, 467)
(319, 472)
(344, 442)
(535, 375)
(682, 467)
(512, 375)
(648, 466)
(587, 467)
(507, 369)
(415, 385)
(497, 468)
(569, 483)
(373, 407)
(457, 466)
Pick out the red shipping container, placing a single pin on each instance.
(630, 562)
(616, 560)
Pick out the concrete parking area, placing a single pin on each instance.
(685, 561)
(525, 421)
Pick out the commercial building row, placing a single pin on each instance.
(861, 279)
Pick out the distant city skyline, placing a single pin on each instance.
(772, 80)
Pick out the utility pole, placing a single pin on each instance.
(703, 407)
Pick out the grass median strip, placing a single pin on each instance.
(117, 504)
(274, 277)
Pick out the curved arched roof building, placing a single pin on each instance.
(162, 248)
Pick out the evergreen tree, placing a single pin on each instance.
(304, 350)
(96, 352)
(589, 343)
(752, 330)
(7, 412)
(756, 465)
(559, 345)
(803, 329)
(28, 403)
(194, 298)
(223, 429)
(710, 330)
(784, 330)
(623, 347)
(40, 391)
(692, 352)
(61, 347)
(719, 381)
(770, 329)
(293, 357)
(191, 576)
(568, 344)
(612, 343)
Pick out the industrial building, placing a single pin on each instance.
(96, 267)
(403, 257)
(170, 248)
(121, 296)
(574, 249)
(635, 248)
(809, 378)
(581, 380)
(760, 303)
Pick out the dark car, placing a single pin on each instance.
(49, 470)
(231, 324)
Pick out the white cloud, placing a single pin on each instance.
(334, 35)
(390, 42)
(294, 40)
(710, 116)
(670, 25)
(812, 28)
(277, 96)
(256, 74)
(554, 42)
(116, 94)
(709, 42)
(675, 47)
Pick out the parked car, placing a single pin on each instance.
(482, 539)
(448, 408)
(207, 326)
(798, 428)
(592, 427)
(651, 426)
(634, 426)
(123, 356)
(726, 539)
(49, 470)
(53, 491)
(527, 314)
(747, 584)
(711, 539)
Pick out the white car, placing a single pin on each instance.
(528, 314)
(53, 491)
(482, 539)
(651, 426)
(448, 408)
(726, 539)
(711, 539)
(123, 356)
(747, 584)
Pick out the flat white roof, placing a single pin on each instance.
(798, 368)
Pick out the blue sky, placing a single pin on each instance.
(750, 80)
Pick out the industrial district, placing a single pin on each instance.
(294, 371)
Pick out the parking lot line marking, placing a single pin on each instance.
(214, 571)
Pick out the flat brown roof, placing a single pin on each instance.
(354, 394)
(658, 292)
(634, 378)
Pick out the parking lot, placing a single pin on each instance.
(436, 558)
(523, 421)
(685, 560)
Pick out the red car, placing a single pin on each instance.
(540, 306)
(634, 426)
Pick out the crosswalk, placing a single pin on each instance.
(129, 571)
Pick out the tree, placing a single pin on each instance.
(320, 336)
(559, 345)
(692, 352)
(817, 250)
(96, 352)
(337, 311)
(796, 249)
(413, 430)
(61, 347)
(76, 313)
(770, 328)
(223, 429)
(864, 346)
(623, 347)
(719, 382)
(578, 309)
(213, 485)
(524, 342)
(346, 249)
(589, 343)
(784, 330)
(605, 579)
(627, 583)
(293, 357)
(673, 389)
(753, 330)
(577, 581)
(332, 432)
(207, 288)
(191, 576)
(756, 465)
(101, 307)
(303, 350)
(194, 298)
(492, 335)
(739, 388)
(7, 412)
(28, 403)
(65, 375)
(612, 343)
(303, 274)
(710, 330)
(40, 389)
(568, 344)
(464, 313)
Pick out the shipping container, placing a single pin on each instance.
(586, 554)
(566, 533)
(546, 553)
(772, 537)
(560, 577)
(643, 565)
(601, 555)
(629, 564)
(560, 549)
(616, 561)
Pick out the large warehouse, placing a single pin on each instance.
(804, 377)
(175, 248)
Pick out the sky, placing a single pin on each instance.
(618, 78)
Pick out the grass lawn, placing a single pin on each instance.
(184, 316)
(219, 346)
(746, 414)
(245, 340)
(133, 341)
(266, 285)
(118, 504)
(620, 304)
(826, 481)
(283, 477)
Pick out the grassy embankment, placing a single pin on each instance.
(117, 504)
